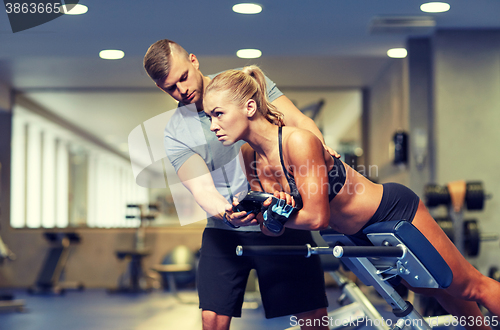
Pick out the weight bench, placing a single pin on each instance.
(395, 249)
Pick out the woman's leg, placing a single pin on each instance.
(469, 285)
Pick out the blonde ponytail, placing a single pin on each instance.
(249, 83)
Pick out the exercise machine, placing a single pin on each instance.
(396, 249)
(50, 276)
(356, 307)
(7, 301)
(178, 268)
(132, 280)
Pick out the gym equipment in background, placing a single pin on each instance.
(475, 196)
(472, 237)
(178, 269)
(135, 279)
(399, 250)
(52, 272)
(494, 273)
(464, 233)
(400, 140)
(7, 301)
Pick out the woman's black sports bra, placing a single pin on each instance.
(336, 176)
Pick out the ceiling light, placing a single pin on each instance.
(247, 8)
(77, 9)
(111, 54)
(435, 7)
(248, 53)
(397, 53)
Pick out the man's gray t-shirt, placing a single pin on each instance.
(188, 133)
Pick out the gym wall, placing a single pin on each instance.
(446, 95)
(467, 116)
(387, 113)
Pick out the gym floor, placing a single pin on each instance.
(97, 309)
(159, 310)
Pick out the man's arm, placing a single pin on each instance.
(196, 177)
(295, 118)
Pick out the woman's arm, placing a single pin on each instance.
(305, 156)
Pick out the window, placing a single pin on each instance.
(61, 180)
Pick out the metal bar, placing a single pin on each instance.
(273, 250)
(307, 250)
(368, 251)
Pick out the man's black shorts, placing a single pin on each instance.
(288, 284)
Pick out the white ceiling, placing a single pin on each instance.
(315, 44)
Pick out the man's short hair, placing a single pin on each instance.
(158, 57)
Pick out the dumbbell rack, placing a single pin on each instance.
(464, 233)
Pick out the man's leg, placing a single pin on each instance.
(213, 321)
(221, 278)
(292, 285)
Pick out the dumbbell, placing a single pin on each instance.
(436, 195)
(472, 235)
(252, 202)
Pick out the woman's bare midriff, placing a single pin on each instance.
(355, 204)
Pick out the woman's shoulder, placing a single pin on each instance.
(300, 145)
(293, 136)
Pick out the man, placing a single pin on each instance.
(288, 285)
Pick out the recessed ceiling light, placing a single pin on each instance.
(111, 54)
(397, 53)
(248, 53)
(77, 9)
(435, 7)
(247, 8)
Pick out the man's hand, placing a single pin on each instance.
(331, 151)
(240, 218)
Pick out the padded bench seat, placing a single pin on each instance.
(396, 232)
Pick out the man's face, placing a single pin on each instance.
(184, 81)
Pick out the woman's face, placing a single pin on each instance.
(229, 121)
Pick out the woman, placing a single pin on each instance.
(293, 164)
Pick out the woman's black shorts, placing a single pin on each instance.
(398, 203)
